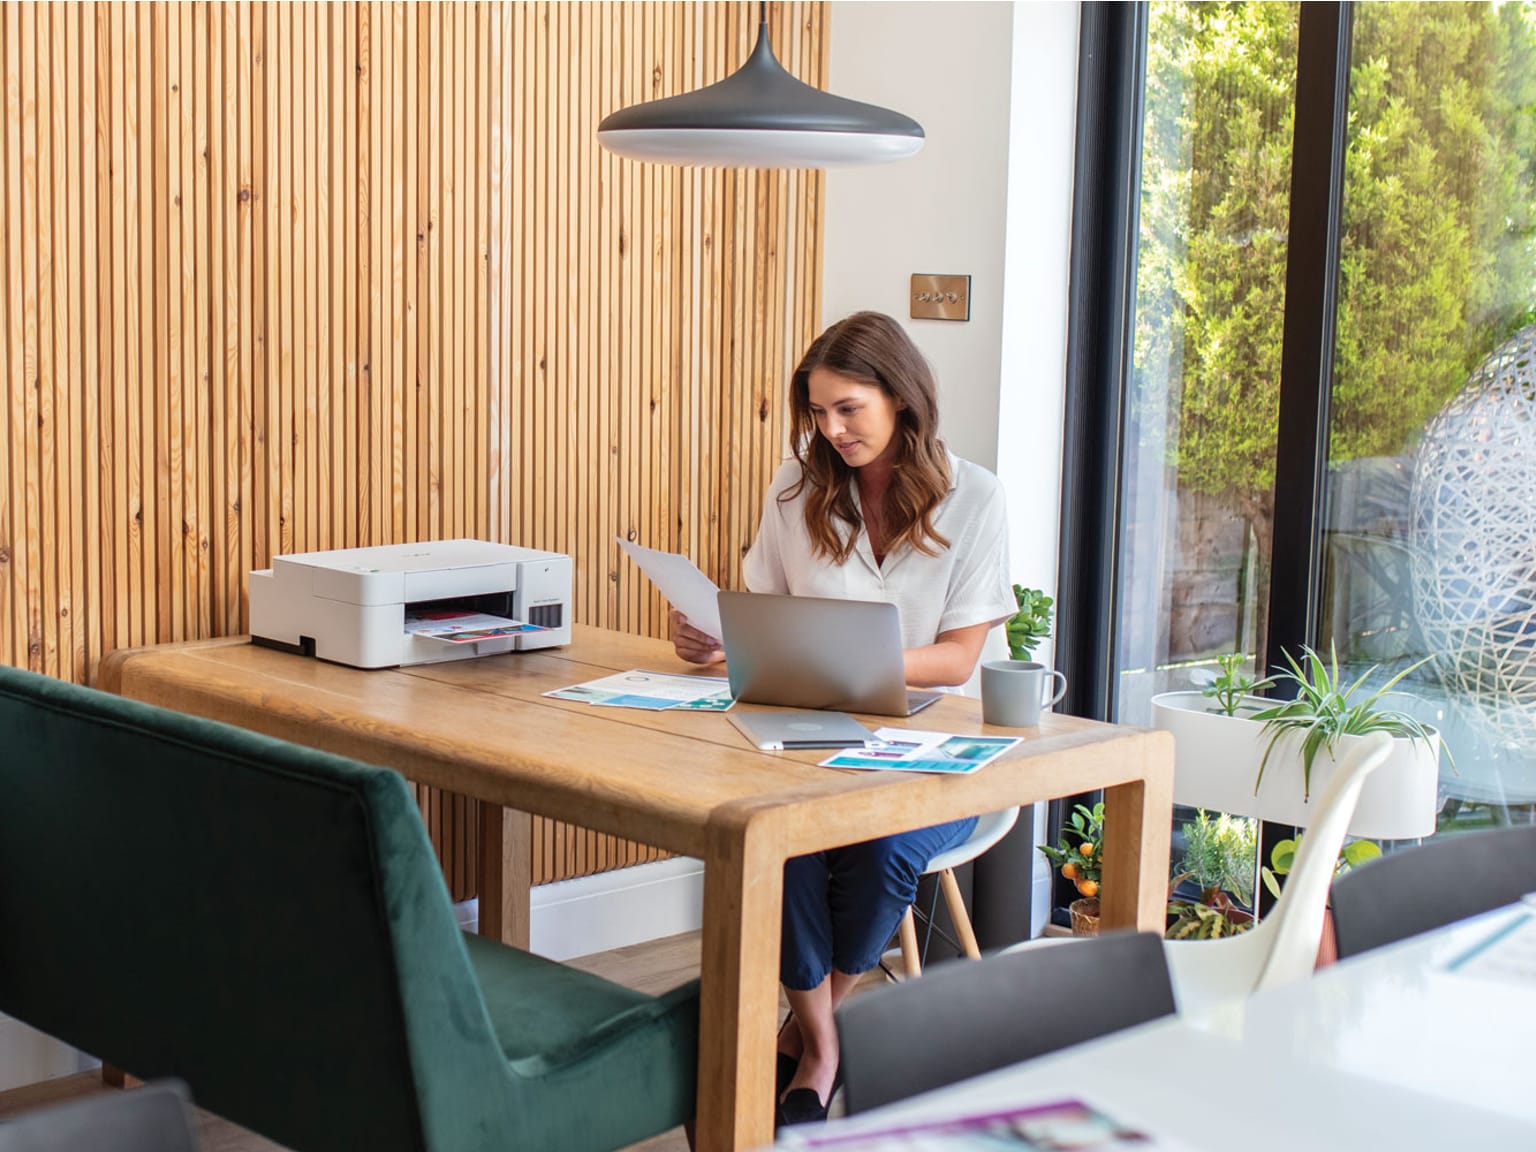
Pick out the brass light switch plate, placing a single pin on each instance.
(940, 297)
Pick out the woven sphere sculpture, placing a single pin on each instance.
(1473, 530)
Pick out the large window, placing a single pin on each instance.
(1428, 505)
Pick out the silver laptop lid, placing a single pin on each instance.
(813, 652)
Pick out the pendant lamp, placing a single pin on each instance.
(760, 117)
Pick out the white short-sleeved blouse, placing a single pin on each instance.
(965, 584)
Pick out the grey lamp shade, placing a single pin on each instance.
(760, 117)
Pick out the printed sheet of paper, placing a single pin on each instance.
(907, 750)
(1059, 1125)
(1508, 955)
(456, 627)
(652, 691)
(686, 588)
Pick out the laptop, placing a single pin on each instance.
(787, 731)
(813, 652)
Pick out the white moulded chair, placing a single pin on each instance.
(1208, 974)
(988, 831)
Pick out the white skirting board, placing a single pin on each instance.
(27, 1056)
(612, 909)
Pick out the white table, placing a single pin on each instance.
(1386, 1050)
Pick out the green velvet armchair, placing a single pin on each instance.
(268, 923)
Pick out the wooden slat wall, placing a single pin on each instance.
(282, 277)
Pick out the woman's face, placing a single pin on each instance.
(857, 418)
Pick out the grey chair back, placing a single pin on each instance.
(154, 1118)
(1422, 888)
(961, 1020)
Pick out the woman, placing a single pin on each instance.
(873, 507)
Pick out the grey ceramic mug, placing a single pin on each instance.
(1013, 692)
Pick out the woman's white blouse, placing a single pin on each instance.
(965, 584)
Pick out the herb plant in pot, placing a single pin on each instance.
(1013, 690)
(1235, 752)
(1218, 859)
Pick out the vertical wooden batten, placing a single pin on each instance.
(277, 277)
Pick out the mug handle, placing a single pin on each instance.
(1060, 692)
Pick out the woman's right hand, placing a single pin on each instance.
(692, 645)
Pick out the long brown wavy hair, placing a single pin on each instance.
(872, 348)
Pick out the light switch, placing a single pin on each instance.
(937, 297)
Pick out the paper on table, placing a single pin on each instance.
(908, 750)
(1508, 955)
(686, 588)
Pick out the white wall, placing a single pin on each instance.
(946, 65)
(994, 85)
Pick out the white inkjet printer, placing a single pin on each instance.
(381, 607)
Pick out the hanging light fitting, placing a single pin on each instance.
(760, 117)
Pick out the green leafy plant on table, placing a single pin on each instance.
(1031, 624)
(1325, 709)
(1232, 684)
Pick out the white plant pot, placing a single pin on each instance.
(1216, 760)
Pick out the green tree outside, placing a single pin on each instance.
(1439, 245)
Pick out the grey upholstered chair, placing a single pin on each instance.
(154, 1118)
(1413, 891)
(961, 1020)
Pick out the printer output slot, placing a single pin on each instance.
(491, 603)
(494, 604)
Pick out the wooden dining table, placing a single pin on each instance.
(686, 782)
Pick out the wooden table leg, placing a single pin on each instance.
(739, 981)
(506, 873)
(1138, 827)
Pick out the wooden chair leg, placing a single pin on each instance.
(911, 960)
(957, 913)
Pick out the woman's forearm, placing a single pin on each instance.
(948, 661)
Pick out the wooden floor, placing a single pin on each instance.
(651, 967)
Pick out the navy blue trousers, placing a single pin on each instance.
(843, 905)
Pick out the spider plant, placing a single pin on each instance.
(1324, 710)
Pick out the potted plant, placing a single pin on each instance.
(1079, 855)
(1239, 753)
(1031, 624)
(1218, 858)
(1351, 855)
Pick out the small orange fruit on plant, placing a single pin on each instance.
(1078, 853)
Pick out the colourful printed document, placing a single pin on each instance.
(652, 691)
(1064, 1124)
(907, 750)
(457, 627)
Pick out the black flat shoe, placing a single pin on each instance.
(783, 1073)
(799, 1106)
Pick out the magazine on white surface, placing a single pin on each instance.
(1059, 1126)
